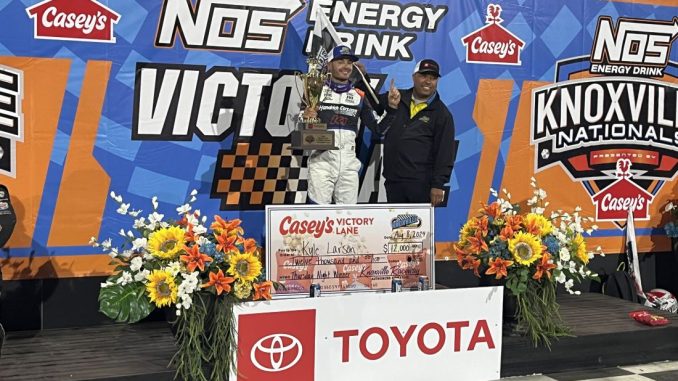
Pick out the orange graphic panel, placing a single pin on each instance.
(84, 186)
(489, 113)
(44, 87)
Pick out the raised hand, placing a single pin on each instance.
(393, 96)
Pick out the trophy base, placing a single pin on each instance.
(312, 139)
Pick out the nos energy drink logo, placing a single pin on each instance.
(615, 132)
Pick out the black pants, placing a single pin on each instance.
(408, 192)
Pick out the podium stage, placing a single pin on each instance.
(606, 337)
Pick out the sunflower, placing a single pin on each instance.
(244, 267)
(580, 248)
(525, 247)
(538, 225)
(467, 231)
(161, 288)
(166, 243)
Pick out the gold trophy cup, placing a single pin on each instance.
(312, 134)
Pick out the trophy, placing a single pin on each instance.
(312, 133)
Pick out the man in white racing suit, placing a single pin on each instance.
(333, 174)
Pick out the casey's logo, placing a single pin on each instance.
(493, 44)
(289, 225)
(79, 20)
(614, 202)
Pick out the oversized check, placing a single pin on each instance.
(348, 248)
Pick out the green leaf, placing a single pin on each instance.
(522, 287)
(127, 303)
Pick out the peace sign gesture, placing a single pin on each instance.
(393, 96)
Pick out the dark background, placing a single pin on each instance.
(72, 302)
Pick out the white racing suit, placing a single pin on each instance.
(333, 174)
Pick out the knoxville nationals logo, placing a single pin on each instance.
(616, 133)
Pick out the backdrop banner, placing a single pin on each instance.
(157, 98)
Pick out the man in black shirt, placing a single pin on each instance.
(419, 145)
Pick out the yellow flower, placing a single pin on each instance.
(161, 288)
(525, 247)
(580, 248)
(242, 290)
(467, 231)
(538, 225)
(244, 267)
(166, 243)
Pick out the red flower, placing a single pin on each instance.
(491, 210)
(482, 226)
(506, 233)
(533, 228)
(460, 254)
(226, 243)
(471, 263)
(249, 245)
(499, 267)
(543, 267)
(189, 236)
(232, 227)
(194, 258)
(263, 290)
(514, 222)
(220, 282)
(477, 244)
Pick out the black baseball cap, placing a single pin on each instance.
(427, 66)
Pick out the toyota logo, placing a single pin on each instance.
(277, 352)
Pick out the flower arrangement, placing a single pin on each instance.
(531, 253)
(197, 271)
(671, 227)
